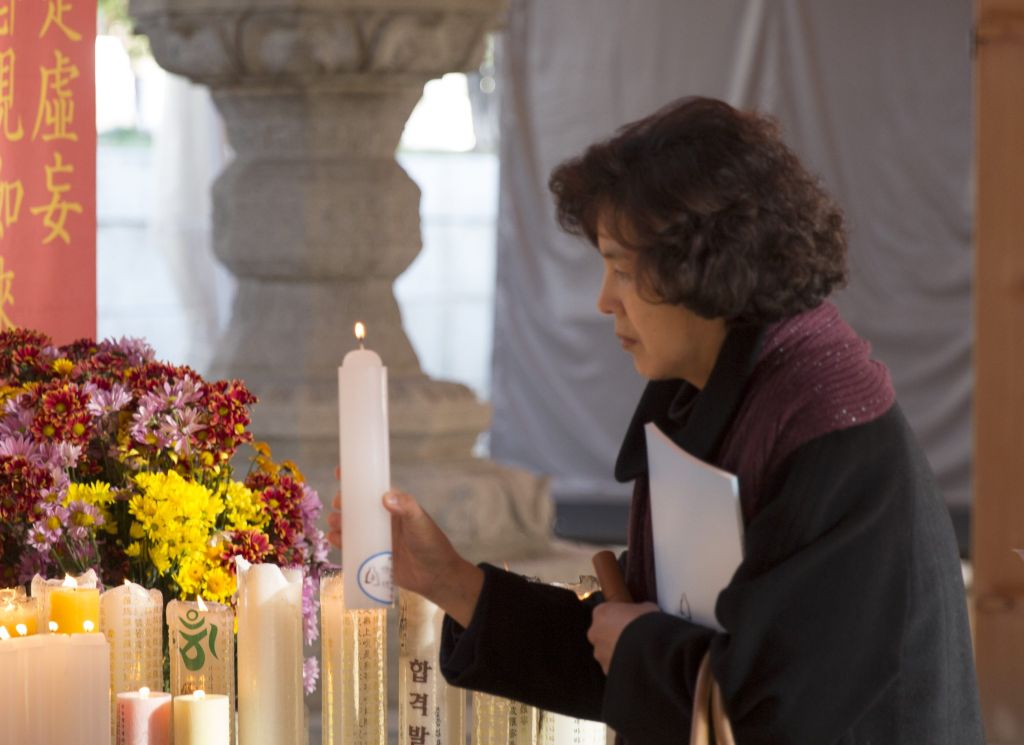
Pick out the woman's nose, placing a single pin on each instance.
(605, 299)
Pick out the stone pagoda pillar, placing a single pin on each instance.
(316, 219)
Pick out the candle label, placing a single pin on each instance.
(193, 633)
(375, 578)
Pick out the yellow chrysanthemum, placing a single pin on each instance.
(63, 366)
(97, 494)
(220, 585)
(244, 508)
(9, 391)
(190, 574)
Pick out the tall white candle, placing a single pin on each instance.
(270, 694)
(201, 719)
(365, 477)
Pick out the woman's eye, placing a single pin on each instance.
(620, 275)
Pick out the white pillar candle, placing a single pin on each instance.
(201, 719)
(143, 717)
(201, 645)
(270, 694)
(131, 617)
(365, 477)
(56, 689)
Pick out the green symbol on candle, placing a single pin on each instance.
(192, 652)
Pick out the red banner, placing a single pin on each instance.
(48, 166)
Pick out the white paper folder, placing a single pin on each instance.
(698, 529)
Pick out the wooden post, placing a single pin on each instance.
(998, 595)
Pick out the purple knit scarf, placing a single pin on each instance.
(813, 376)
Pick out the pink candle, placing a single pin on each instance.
(144, 718)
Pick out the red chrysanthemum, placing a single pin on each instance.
(226, 403)
(21, 486)
(251, 545)
(61, 414)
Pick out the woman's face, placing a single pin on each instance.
(666, 341)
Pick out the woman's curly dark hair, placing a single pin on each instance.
(724, 218)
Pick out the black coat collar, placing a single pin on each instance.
(696, 420)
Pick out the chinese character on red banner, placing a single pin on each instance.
(48, 167)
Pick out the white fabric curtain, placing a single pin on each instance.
(875, 97)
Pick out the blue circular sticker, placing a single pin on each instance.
(374, 578)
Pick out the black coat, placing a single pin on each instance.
(846, 622)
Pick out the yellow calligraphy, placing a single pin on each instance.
(55, 214)
(12, 132)
(56, 102)
(11, 195)
(6, 298)
(7, 17)
(55, 10)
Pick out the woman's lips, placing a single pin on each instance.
(627, 343)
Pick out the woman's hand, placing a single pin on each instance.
(425, 561)
(606, 627)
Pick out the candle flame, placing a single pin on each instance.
(22, 629)
(201, 605)
(4, 634)
(53, 627)
(144, 692)
(360, 331)
(88, 626)
(69, 581)
(199, 694)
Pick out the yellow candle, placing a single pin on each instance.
(18, 613)
(74, 609)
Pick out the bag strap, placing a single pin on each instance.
(707, 699)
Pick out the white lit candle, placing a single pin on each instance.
(143, 717)
(270, 694)
(202, 719)
(55, 689)
(365, 477)
(131, 619)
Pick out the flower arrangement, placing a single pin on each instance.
(111, 460)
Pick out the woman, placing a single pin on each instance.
(846, 621)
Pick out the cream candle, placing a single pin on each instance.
(270, 694)
(143, 717)
(202, 719)
(430, 712)
(354, 652)
(365, 477)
